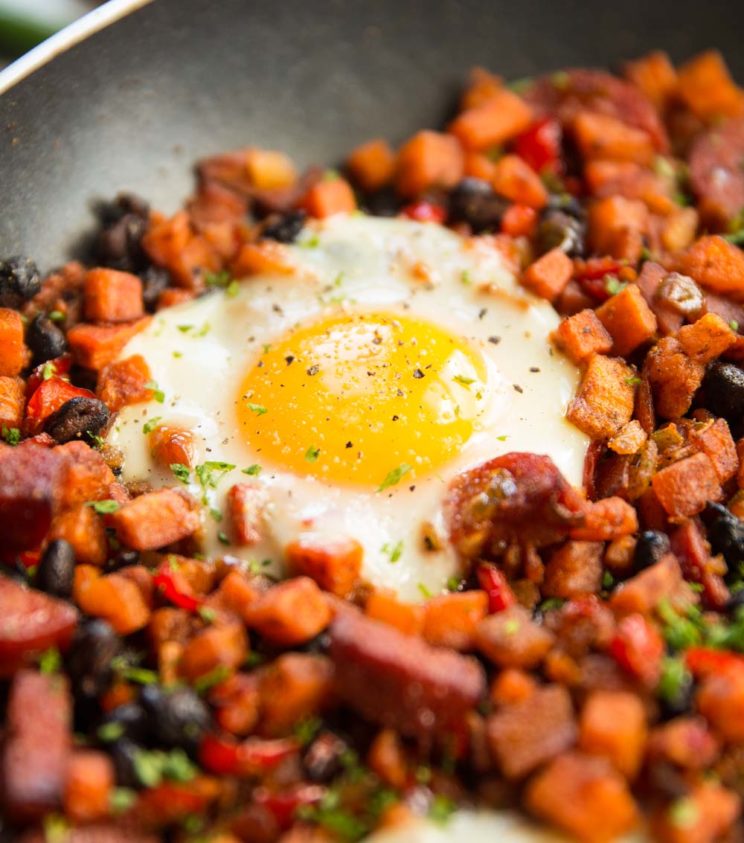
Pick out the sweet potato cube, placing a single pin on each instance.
(290, 613)
(574, 569)
(629, 320)
(707, 338)
(613, 725)
(268, 169)
(511, 638)
(13, 353)
(12, 402)
(497, 119)
(112, 296)
(549, 274)
(222, 644)
(514, 179)
(606, 520)
(604, 401)
(582, 335)
(705, 86)
(450, 620)
(294, 687)
(155, 520)
(674, 378)
(115, 598)
(90, 782)
(629, 440)
(655, 75)
(328, 197)
(716, 441)
(125, 382)
(715, 263)
(95, 346)
(684, 487)
(84, 530)
(603, 136)
(334, 564)
(709, 811)
(383, 605)
(372, 165)
(617, 226)
(170, 445)
(429, 159)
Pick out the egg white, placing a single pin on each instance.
(199, 352)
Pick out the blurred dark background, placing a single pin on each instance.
(25, 23)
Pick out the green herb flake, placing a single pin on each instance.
(306, 730)
(608, 581)
(105, 507)
(312, 454)
(521, 86)
(454, 583)
(258, 409)
(138, 675)
(394, 476)
(151, 424)
(683, 813)
(50, 661)
(466, 277)
(502, 438)
(252, 470)
(424, 590)
(232, 289)
(222, 537)
(441, 809)
(207, 614)
(551, 604)
(56, 829)
(12, 435)
(218, 279)
(157, 393)
(393, 551)
(210, 473)
(148, 767)
(214, 677)
(122, 799)
(675, 677)
(462, 380)
(98, 441)
(48, 370)
(311, 242)
(734, 325)
(110, 732)
(56, 316)
(633, 380)
(511, 627)
(181, 472)
(614, 285)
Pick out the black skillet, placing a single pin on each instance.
(133, 104)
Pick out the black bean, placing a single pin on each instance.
(56, 569)
(285, 228)
(473, 201)
(723, 388)
(649, 549)
(120, 244)
(725, 534)
(125, 721)
(383, 203)
(154, 281)
(124, 753)
(323, 757)
(559, 229)
(124, 203)
(78, 418)
(122, 559)
(89, 658)
(177, 719)
(20, 280)
(45, 339)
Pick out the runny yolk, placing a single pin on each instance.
(366, 399)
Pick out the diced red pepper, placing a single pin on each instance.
(638, 647)
(254, 756)
(424, 211)
(496, 586)
(29, 558)
(540, 146)
(174, 587)
(219, 755)
(59, 367)
(50, 395)
(705, 660)
(519, 221)
(284, 804)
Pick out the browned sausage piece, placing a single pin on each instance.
(717, 171)
(399, 680)
(529, 733)
(31, 622)
(33, 767)
(27, 477)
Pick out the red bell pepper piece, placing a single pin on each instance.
(424, 211)
(255, 756)
(540, 146)
(703, 661)
(219, 755)
(496, 586)
(175, 588)
(50, 395)
(519, 221)
(638, 648)
(59, 367)
(284, 804)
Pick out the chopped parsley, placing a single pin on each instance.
(425, 591)
(214, 677)
(157, 392)
(614, 285)
(12, 435)
(393, 551)
(312, 454)
(56, 316)
(394, 476)
(182, 472)
(207, 614)
(110, 732)
(462, 380)
(222, 537)
(153, 766)
(633, 380)
(105, 507)
(306, 730)
(50, 661)
(258, 409)
(683, 812)
(121, 799)
(441, 809)
(209, 475)
(151, 424)
(252, 470)
(48, 370)
(734, 325)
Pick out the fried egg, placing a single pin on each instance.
(351, 386)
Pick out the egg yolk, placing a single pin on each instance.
(365, 399)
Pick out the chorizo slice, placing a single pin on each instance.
(717, 171)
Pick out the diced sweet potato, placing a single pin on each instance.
(673, 376)
(606, 520)
(427, 160)
(720, 699)
(482, 86)
(630, 439)
(290, 613)
(603, 136)
(328, 197)
(399, 680)
(246, 505)
(617, 227)
(613, 725)
(450, 620)
(38, 739)
(222, 644)
(716, 442)
(237, 593)
(90, 781)
(514, 179)
(84, 475)
(704, 815)
(292, 688)
(684, 487)
(387, 759)
(584, 797)
(629, 320)
(497, 119)
(685, 741)
(112, 296)
(125, 382)
(12, 402)
(172, 296)
(655, 75)
(265, 257)
(28, 479)
(582, 335)
(705, 86)
(604, 401)
(268, 169)
(95, 346)
(173, 244)
(334, 563)
(524, 735)
(115, 598)
(155, 520)
(96, 833)
(383, 605)
(512, 686)
(717, 264)
(14, 355)
(574, 569)
(84, 530)
(706, 339)
(372, 165)
(643, 592)
(512, 639)
(236, 702)
(548, 275)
